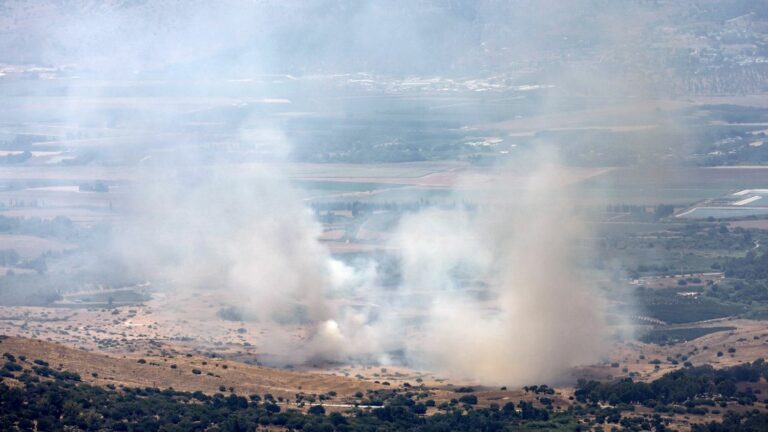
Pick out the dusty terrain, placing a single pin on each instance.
(748, 224)
(749, 341)
(157, 328)
(158, 371)
(166, 364)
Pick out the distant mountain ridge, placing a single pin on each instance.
(686, 46)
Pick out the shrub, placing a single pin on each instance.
(316, 410)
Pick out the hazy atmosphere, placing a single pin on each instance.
(384, 215)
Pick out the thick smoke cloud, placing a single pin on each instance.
(538, 315)
(248, 230)
(498, 294)
(243, 234)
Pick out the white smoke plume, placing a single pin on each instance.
(242, 233)
(497, 295)
(539, 317)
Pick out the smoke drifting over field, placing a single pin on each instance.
(539, 315)
(247, 232)
(498, 294)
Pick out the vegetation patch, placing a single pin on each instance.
(670, 336)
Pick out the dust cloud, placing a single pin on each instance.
(538, 314)
(499, 293)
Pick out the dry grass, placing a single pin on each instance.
(157, 372)
(30, 246)
(750, 339)
(749, 224)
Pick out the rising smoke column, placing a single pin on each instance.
(245, 234)
(539, 316)
(240, 230)
(242, 234)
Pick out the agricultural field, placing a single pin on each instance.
(29, 247)
(681, 186)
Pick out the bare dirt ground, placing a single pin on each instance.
(672, 281)
(646, 115)
(66, 201)
(138, 345)
(191, 326)
(31, 246)
(464, 176)
(157, 371)
(759, 101)
(749, 224)
(749, 341)
(171, 369)
(67, 173)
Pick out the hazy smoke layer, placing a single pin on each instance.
(243, 231)
(537, 316)
(243, 234)
(496, 295)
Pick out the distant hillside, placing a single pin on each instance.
(687, 47)
(159, 371)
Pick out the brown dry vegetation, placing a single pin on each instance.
(157, 371)
(750, 224)
(749, 339)
(149, 341)
(31, 246)
(243, 379)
